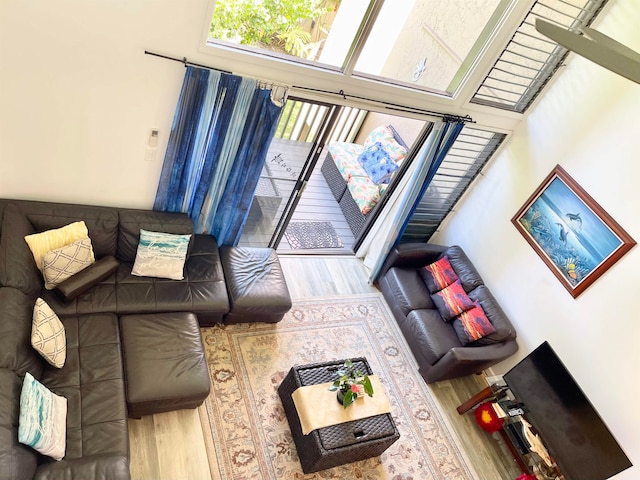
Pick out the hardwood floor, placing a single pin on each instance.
(170, 446)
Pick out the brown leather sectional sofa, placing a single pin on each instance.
(92, 377)
(435, 345)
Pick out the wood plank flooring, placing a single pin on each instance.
(170, 446)
(284, 161)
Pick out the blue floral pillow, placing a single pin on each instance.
(377, 163)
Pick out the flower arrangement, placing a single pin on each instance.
(351, 382)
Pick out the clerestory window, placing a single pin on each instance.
(422, 44)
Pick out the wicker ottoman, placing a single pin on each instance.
(164, 363)
(257, 288)
(338, 444)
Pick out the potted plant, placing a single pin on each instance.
(351, 382)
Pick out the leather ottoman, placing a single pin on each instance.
(164, 363)
(257, 288)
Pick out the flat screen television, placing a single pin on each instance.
(569, 426)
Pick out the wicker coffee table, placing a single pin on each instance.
(338, 444)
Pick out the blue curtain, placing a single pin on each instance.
(443, 143)
(390, 225)
(219, 138)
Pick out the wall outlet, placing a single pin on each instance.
(150, 154)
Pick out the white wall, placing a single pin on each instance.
(78, 95)
(587, 122)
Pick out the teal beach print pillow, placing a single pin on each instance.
(161, 255)
(43, 419)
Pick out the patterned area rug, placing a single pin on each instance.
(245, 429)
(304, 235)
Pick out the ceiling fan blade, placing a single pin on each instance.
(602, 50)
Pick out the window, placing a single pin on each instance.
(530, 59)
(469, 154)
(422, 44)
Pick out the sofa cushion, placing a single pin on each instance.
(467, 273)
(472, 325)
(161, 255)
(408, 291)
(102, 222)
(451, 301)
(17, 461)
(16, 353)
(92, 381)
(61, 263)
(495, 314)
(131, 221)
(438, 275)
(17, 268)
(43, 242)
(43, 419)
(47, 334)
(428, 336)
(390, 140)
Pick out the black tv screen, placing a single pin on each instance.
(569, 426)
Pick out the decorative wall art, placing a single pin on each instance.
(572, 234)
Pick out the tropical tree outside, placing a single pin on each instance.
(280, 25)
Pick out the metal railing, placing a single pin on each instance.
(301, 121)
(466, 158)
(530, 59)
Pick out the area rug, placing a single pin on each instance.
(304, 235)
(245, 428)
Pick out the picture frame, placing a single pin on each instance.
(574, 236)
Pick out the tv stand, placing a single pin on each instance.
(497, 391)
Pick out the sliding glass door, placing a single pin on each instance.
(313, 196)
(293, 153)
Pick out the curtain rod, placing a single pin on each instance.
(186, 62)
(394, 106)
(341, 93)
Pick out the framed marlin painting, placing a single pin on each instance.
(572, 234)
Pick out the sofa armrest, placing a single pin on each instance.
(95, 467)
(87, 278)
(460, 361)
(411, 255)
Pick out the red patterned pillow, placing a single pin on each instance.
(472, 325)
(452, 301)
(438, 275)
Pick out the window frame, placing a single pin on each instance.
(244, 60)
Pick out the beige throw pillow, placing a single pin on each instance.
(47, 334)
(41, 243)
(62, 263)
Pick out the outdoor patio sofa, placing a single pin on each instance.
(346, 168)
(440, 342)
(92, 378)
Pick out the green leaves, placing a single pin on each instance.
(268, 22)
(348, 376)
(368, 388)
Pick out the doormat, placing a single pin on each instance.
(304, 235)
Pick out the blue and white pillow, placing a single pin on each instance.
(43, 419)
(377, 163)
(161, 255)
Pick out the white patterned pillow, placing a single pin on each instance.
(41, 243)
(62, 263)
(43, 419)
(47, 334)
(161, 255)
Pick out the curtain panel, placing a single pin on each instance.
(221, 131)
(391, 224)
